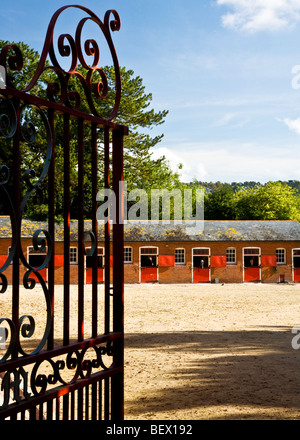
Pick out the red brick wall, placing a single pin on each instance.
(181, 273)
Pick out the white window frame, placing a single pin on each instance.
(73, 253)
(130, 255)
(180, 255)
(284, 256)
(231, 253)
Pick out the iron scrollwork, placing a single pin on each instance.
(91, 77)
(28, 129)
(24, 121)
(80, 363)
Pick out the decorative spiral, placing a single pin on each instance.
(12, 337)
(76, 51)
(27, 330)
(93, 248)
(8, 118)
(29, 134)
(14, 62)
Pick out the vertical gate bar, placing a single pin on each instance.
(72, 406)
(65, 407)
(79, 404)
(16, 202)
(50, 410)
(100, 416)
(107, 235)
(106, 398)
(117, 382)
(41, 412)
(57, 409)
(87, 401)
(66, 335)
(95, 229)
(94, 401)
(51, 225)
(80, 232)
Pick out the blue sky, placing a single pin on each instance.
(225, 69)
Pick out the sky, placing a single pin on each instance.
(228, 72)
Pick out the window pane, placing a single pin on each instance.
(251, 251)
(230, 255)
(179, 256)
(73, 255)
(280, 254)
(201, 251)
(127, 255)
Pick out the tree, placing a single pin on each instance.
(220, 204)
(140, 170)
(273, 201)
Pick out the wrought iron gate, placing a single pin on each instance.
(47, 370)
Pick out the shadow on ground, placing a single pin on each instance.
(257, 369)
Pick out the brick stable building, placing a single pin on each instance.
(225, 252)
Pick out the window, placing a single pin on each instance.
(127, 254)
(231, 256)
(73, 255)
(147, 251)
(179, 256)
(201, 251)
(201, 258)
(251, 251)
(252, 257)
(280, 255)
(149, 257)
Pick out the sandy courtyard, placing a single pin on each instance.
(195, 352)
(211, 352)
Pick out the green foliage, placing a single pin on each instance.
(220, 204)
(273, 201)
(140, 170)
(252, 201)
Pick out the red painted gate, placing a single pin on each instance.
(61, 371)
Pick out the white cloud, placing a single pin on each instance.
(224, 120)
(292, 124)
(231, 162)
(191, 168)
(261, 15)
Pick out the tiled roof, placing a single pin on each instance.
(212, 231)
(216, 231)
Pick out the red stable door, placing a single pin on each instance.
(89, 275)
(148, 274)
(201, 275)
(36, 260)
(100, 267)
(252, 262)
(251, 274)
(201, 265)
(296, 265)
(149, 264)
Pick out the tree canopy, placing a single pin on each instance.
(140, 169)
(252, 201)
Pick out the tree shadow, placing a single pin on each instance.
(256, 368)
